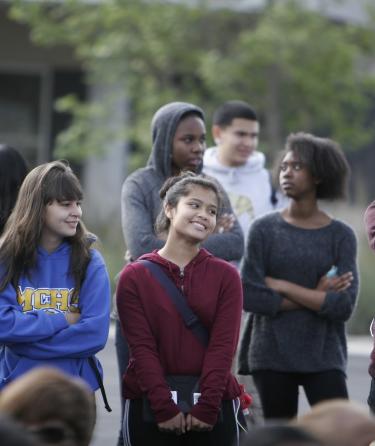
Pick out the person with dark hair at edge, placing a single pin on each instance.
(300, 280)
(163, 342)
(178, 143)
(13, 169)
(369, 220)
(54, 287)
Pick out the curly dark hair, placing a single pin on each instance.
(324, 159)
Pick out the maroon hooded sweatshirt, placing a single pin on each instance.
(370, 231)
(160, 343)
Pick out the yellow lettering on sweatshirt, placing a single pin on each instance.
(55, 299)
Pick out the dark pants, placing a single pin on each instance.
(139, 433)
(122, 353)
(278, 391)
(371, 396)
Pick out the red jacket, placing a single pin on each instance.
(159, 342)
(370, 231)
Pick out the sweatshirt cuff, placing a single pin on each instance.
(205, 414)
(167, 414)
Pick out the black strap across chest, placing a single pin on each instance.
(190, 319)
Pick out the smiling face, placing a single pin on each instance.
(237, 141)
(189, 143)
(194, 217)
(60, 220)
(296, 181)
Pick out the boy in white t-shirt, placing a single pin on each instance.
(236, 163)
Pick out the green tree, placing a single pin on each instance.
(300, 70)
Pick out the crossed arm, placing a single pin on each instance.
(295, 296)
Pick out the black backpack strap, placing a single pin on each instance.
(273, 196)
(94, 367)
(189, 317)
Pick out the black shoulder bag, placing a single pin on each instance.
(184, 388)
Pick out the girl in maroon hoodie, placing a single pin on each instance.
(161, 344)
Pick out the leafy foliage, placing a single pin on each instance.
(300, 70)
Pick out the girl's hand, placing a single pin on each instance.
(337, 283)
(224, 223)
(274, 284)
(72, 318)
(194, 424)
(176, 425)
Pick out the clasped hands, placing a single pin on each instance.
(225, 223)
(180, 424)
(337, 283)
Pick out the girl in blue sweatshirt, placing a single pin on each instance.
(54, 288)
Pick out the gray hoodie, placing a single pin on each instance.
(140, 201)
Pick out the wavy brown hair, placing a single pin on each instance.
(18, 247)
(180, 186)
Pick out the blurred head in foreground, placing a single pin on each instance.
(55, 407)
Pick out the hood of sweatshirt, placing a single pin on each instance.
(163, 128)
(255, 163)
(180, 276)
(172, 267)
(63, 250)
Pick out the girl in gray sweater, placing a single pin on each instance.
(299, 307)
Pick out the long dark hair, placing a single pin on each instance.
(18, 247)
(13, 170)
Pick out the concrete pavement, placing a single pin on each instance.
(108, 423)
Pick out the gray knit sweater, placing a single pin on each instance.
(298, 340)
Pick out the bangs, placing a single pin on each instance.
(62, 187)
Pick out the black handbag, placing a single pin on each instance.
(185, 386)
